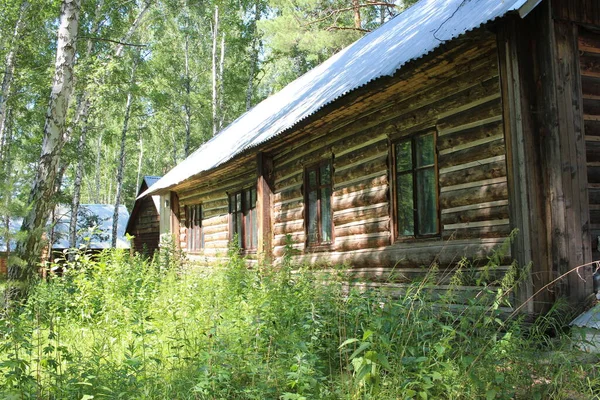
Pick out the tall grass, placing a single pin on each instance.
(122, 327)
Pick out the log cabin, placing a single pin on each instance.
(428, 140)
(144, 222)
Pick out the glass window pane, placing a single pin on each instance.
(403, 156)
(425, 151)
(406, 215)
(238, 202)
(312, 217)
(325, 174)
(253, 198)
(326, 214)
(312, 179)
(254, 229)
(427, 202)
(238, 230)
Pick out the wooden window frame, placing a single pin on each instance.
(244, 212)
(397, 237)
(319, 245)
(194, 217)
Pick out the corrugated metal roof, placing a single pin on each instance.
(94, 223)
(411, 35)
(151, 180)
(589, 319)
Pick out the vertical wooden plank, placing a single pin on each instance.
(573, 159)
(264, 191)
(517, 172)
(175, 228)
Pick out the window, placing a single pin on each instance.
(416, 186)
(318, 204)
(193, 223)
(242, 211)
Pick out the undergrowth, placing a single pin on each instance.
(122, 327)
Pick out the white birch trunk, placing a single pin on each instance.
(121, 166)
(139, 169)
(215, 33)
(9, 70)
(221, 94)
(187, 106)
(253, 57)
(42, 192)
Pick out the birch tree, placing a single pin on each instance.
(121, 165)
(21, 273)
(9, 70)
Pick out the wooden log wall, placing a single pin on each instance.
(145, 227)
(456, 95)
(212, 193)
(589, 60)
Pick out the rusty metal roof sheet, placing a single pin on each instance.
(409, 36)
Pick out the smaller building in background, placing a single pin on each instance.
(144, 223)
(94, 227)
(8, 242)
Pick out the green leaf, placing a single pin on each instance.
(363, 346)
(347, 342)
(491, 394)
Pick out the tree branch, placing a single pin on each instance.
(113, 41)
(346, 28)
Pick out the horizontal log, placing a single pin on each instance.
(361, 229)
(216, 212)
(287, 167)
(216, 220)
(296, 238)
(368, 183)
(483, 214)
(487, 91)
(217, 236)
(289, 215)
(361, 198)
(468, 185)
(475, 206)
(217, 203)
(208, 230)
(290, 181)
(279, 207)
(289, 194)
(474, 174)
(494, 231)
(360, 170)
(369, 152)
(359, 242)
(288, 227)
(216, 244)
(474, 195)
(360, 213)
(483, 151)
(404, 255)
(478, 163)
(470, 135)
(279, 251)
(442, 275)
(484, 114)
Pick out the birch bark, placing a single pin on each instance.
(9, 70)
(215, 32)
(121, 166)
(20, 274)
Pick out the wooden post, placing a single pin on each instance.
(546, 165)
(522, 168)
(264, 190)
(175, 229)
